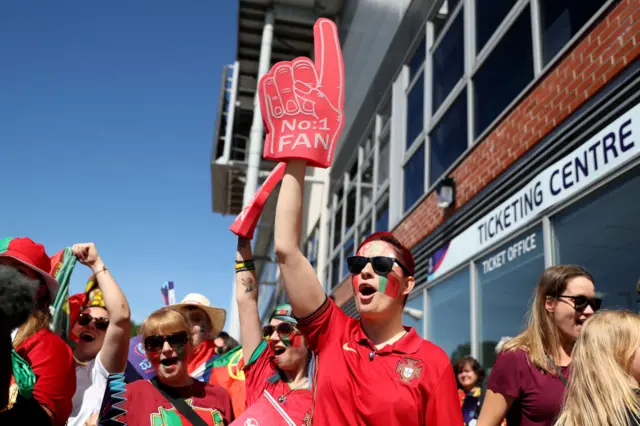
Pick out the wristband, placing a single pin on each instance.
(244, 264)
(245, 268)
(244, 261)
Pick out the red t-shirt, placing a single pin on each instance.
(538, 396)
(51, 360)
(409, 383)
(259, 375)
(146, 406)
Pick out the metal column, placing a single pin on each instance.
(254, 154)
(257, 126)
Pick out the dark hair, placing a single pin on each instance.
(229, 343)
(460, 363)
(405, 254)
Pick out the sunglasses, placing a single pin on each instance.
(101, 323)
(283, 329)
(156, 342)
(580, 303)
(381, 265)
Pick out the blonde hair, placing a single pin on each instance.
(541, 336)
(37, 321)
(164, 321)
(600, 392)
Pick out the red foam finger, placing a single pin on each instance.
(245, 223)
(283, 77)
(265, 104)
(329, 61)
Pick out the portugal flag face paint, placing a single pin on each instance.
(388, 284)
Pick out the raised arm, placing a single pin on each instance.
(115, 348)
(300, 280)
(247, 299)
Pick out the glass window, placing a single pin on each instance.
(351, 209)
(443, 15)
(337, 228)
(600, 232)
(335, 271)
(364, 229)
(348, 251)
(448, 140)
(561, 20)
(448, 62)
(507, 280)
(489, 16)
(504, 75)
(449, 309)
(418, 58)
(366, 183)
(383, 162)
(414, 178)
(382, 218)
(415, 110)
(414, 313)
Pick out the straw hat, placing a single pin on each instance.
(217, 316)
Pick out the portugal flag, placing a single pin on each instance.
(226, 371)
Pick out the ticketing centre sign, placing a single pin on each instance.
(611, 148)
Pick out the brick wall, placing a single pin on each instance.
(607, 49)
(603, 52)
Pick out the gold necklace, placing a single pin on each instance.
(82, 363)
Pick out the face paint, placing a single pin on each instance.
(154, 357)
(389, 285)
(180, 351)
(298, 341)
(286, 339)
(355, 281)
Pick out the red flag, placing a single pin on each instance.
(226, 371)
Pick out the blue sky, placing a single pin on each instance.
(107, 110)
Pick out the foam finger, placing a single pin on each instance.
(329, 61)
(283, 76)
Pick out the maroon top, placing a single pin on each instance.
(538, 396)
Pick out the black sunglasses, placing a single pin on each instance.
(156, 342)
(580, 303)
(283, 329)
(101, 323)
(381, 265)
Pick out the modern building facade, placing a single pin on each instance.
(494, 138)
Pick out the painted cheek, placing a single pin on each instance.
(154, 357)
(298, 341)
(389, 285)
(355, 281)
(180, 351)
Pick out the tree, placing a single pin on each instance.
(135, 328)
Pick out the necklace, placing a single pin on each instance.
(282, 398)
(82, 363)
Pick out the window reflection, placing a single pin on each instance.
(561, 20)
(335, 271)
(418, 58)
(448, 140)
(503, 75)
(383, 162)
(507, 280)
(414, 178)
(448, 62)
(449, 307)
(382, 218)
(489, 16)
(601, 233)
(415, 111)
(348, 251)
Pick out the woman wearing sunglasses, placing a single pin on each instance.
(529, 378)
(371, 371)
(277, 354)
(102, 330)
(172, 396)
